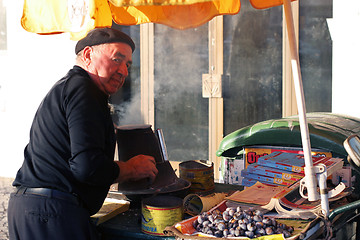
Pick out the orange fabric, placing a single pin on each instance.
(261, 4)
(179, 16)
(126, 3)
(80, 16)
(58, 16)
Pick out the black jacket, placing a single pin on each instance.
(72, 142)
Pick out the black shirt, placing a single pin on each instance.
(72, 142)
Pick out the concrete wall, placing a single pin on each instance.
(29, 67)
(345, 33)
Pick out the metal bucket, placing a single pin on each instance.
(133, 140)
(159, 212)
(200, 175)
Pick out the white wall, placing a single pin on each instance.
(30, 66)
(345, 33)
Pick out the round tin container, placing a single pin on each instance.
(159, 212)
(200, 175)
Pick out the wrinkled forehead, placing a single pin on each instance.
(115, 50)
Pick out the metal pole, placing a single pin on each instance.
(310, 176)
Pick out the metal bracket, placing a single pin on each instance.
(323, 194)
(211, 86)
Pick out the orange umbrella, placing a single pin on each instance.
(176, 14)
(261, 4)
(79, 16)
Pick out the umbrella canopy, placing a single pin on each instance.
(78, 17)
(261, 4)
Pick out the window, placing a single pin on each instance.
(180, 59)
(252, 87)
(315, 52)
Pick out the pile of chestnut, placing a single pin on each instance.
(235, 222)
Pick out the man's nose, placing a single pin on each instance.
(123, 70)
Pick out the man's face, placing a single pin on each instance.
(109, 65)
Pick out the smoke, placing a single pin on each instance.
(179, 65)
(128, 112)
(126, 104)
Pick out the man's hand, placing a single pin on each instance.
(136, 168)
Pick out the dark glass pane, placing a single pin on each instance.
(315, 51)
(126, 101)
(252, 86)
(181, 57)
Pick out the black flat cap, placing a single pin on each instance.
(99, 36)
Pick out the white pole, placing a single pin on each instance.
(310, 176)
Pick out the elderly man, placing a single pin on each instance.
(68, 164)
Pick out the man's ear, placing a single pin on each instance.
(87, 53)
